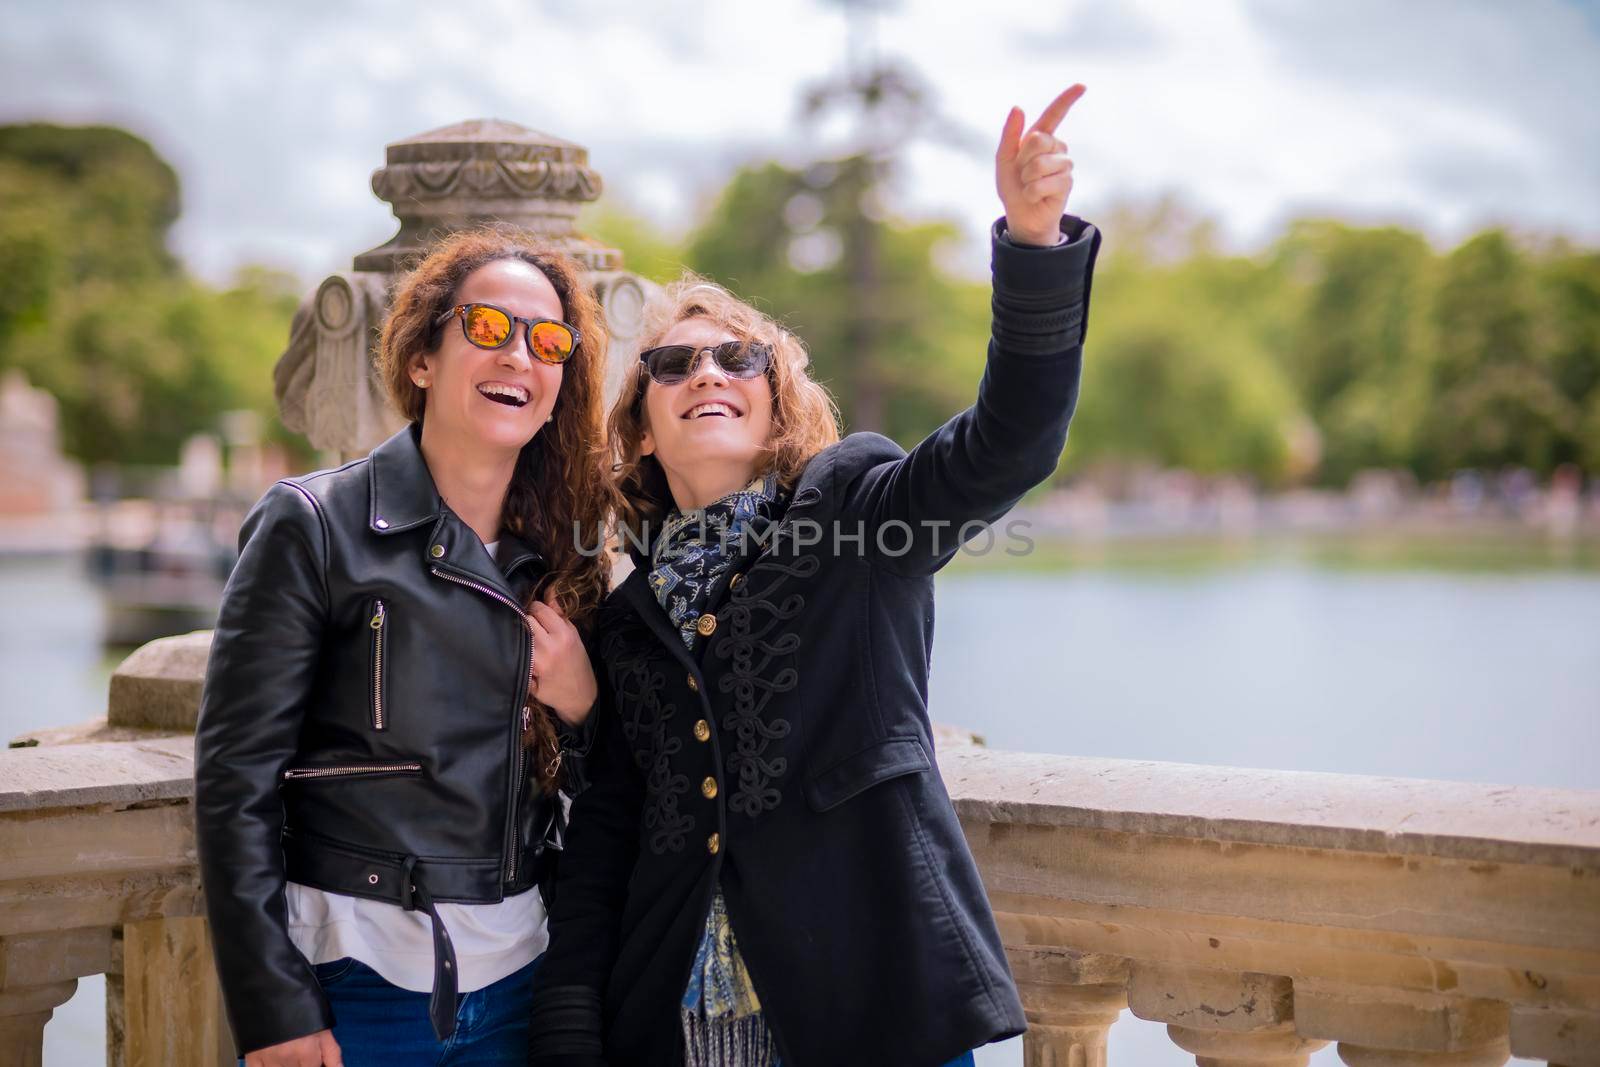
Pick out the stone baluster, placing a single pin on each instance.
(1562, 1038)
(1071, 999)
(1401, 1028)
(38, 974)
(1225, 1018)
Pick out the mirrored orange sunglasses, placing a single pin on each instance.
(488, 326)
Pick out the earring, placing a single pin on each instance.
(421, 384)
(550, 417)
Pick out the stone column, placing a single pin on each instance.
(482, 172)
(1226, 1018)
(1071, 999)
(172, 1013)
(1401, 1028)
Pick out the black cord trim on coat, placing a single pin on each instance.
(643, 715)
(754, 642)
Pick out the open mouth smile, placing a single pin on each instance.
(510, 395)
(711, 409)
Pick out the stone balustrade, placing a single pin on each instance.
(1259, 915)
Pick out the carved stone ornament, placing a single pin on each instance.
(485, 171)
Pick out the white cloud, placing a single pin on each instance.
(1441, 115)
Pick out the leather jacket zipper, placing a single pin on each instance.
(512, 847)
(351, 770)
(380, 633)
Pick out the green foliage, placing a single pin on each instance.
(1336, 349)
(900, 342)
(110, 199)
(1174, 377)
(97, 311)
(1493, 397)
(648, 252)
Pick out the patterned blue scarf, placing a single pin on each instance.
(697, 546)
(721, 1014)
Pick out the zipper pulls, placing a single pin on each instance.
(295, 773)
(527, 712)
(380, 615)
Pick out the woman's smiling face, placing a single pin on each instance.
(708, 421)
(499, 397)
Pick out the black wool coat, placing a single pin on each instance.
(789, 757)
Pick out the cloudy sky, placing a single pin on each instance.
(1441, 115)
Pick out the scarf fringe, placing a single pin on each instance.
(742, 1042)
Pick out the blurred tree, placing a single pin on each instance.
(138, 356)
(646, 250)
(112, 198)
(1358, 301)
(1568, 283)
(1177, 372)
(886, 105)
(1493, 400)
(777, 237)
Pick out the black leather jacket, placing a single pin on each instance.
(360, 727)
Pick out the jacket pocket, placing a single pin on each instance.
(378, 622)
(886, 759)
(352, 770)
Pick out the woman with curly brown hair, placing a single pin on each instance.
(400, 685)
(766, 867)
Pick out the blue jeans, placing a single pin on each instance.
(382, 1025)
(963, 1060)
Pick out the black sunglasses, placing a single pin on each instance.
(671, 364)
(487, 326)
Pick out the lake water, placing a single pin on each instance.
(1264, 659)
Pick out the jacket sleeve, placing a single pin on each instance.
(578, 741)
(586, 908)
(262, 668)
(975, 467)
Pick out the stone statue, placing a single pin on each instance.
(469, 174)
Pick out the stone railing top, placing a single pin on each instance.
(1396, 816)
(114, 772)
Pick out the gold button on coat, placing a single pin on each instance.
(734, 582)
(694, 686)
(702, 731)
(706, 625)
(438, 550)
(709, 788)
(714, 844)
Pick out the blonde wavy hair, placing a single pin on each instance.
(560, 483)
(805, 418)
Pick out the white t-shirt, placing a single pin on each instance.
(491, 940)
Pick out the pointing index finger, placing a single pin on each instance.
(1052, 115)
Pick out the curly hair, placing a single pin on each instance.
(805, 418)
(560, 484)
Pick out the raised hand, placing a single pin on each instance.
(1033, 172)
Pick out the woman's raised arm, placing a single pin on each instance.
(975, 467)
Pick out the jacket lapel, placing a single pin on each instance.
(403, 497)
(635, 590)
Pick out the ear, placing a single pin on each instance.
(421, 364)
(647, 442)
